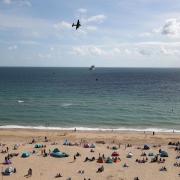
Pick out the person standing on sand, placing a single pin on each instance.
(74, 158)
(153, 133)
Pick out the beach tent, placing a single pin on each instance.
(163, 154)
(109, 160)
(86, 145)
(58, 154)
(129, 155)
(146, 147)
(150, 154)
(8, 171)
(56, 150)
(92, 146)
(100, 160)
(114, 148)
(38, 146)
(25, 154)
(117, 160)
(114, 154)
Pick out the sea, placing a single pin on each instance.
(118, 99)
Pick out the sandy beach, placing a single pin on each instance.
(45, 168)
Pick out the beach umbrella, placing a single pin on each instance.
(100, 160)
(146, 147)
(25, 154)
(86, 145)
(114, 154)
(92, 146)
(163, 154)
(109, 160)
(56, 150)
(129, 155)
(8, 171)
(59, 154)
(38, 146)
(114, 148)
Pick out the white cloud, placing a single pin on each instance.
(145, 52)
(28, 42)
(171, 27)
(12, 21)
(91, 28)
(80, 51)
(18, 2)
(97, 19)
(63, 25)
(136, 50)
(45, 56)
(82, 10)
(96, 51)
(13, 47)
(88, 51)
(170, 51)
(145, 34)
(51, 48)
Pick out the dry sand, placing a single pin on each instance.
(45, 168)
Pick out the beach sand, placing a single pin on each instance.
(45, 168)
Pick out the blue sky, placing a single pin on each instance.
(114, 33)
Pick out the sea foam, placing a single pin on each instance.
(90, 129)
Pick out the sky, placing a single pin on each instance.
(114, 33)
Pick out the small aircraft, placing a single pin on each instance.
(77, 25)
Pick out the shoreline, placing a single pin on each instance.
(123, 137)
(90, 129)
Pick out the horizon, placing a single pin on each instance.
(142, 33)
(112, 67)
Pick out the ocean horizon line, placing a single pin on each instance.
(105, 67)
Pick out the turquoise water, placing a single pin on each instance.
(106, 98)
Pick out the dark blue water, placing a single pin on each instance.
(135, 98)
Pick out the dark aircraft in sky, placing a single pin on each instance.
(77, 25)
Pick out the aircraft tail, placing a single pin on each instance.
(73, 25)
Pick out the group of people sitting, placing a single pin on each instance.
(58, 175)
(144, 160)
(89, 159)
(163, 168)
(6, 150)
(101, 169)
(158, 160)
(177, 164)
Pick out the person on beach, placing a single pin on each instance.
(45, 139)
(29, 174)
(74, 158)
(58, 175)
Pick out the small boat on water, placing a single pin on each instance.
(92, 68)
